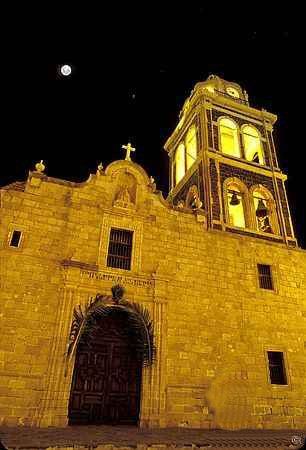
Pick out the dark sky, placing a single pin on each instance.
(129, 88)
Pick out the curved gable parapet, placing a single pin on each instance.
(163, 200)
(127, 192)
(130, 167)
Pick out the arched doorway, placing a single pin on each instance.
(106, 381)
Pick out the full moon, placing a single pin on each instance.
(66, 70)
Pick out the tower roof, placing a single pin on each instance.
(230, 89)
(224, 92)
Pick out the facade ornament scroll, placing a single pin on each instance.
(193, 199)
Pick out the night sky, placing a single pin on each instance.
(132, 89)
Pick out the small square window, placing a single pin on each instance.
(15, 238)
(120, 249)
(265, 277)
(277, 368)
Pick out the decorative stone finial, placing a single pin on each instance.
(100, 169)
(196, 204)
(152, 184)
(40, 167)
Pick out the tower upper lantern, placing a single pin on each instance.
(218, 86)
(225, 149)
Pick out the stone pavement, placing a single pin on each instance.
(107, 437)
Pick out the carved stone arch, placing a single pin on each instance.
(101, 306)
(112, 340)
(264, 190)
(270, 202)
(235, 184)
(228, 118)
(251, 125)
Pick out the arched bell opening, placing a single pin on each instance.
(106, 382)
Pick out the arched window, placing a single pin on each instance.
(252, 144)
(235, 206)
(179, 163)
(265, 212)
(185, 155)
(191, 146)
(229, 138)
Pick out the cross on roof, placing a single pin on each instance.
(128, 149)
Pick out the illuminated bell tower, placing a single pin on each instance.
(223, 163)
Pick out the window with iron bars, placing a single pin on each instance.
(120, 249)
(265, 276)
(277, 368)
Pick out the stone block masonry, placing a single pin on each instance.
(213, 323)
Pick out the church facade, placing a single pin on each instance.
(120, 306)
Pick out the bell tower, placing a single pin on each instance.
(223, 161)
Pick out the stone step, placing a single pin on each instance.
(131, 438)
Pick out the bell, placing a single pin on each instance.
(261, 210)
(234, 200)
(256, 158)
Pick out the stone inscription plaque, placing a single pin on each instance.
(91, 275)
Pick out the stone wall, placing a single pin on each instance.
(213, 324)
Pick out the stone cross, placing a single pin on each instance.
(128, 149)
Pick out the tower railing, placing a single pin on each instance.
(238, 100)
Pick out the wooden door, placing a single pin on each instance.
(107, 378)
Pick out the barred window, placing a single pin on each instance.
(277, 368)
(15, 238)
(120, 249)
(265, 276)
